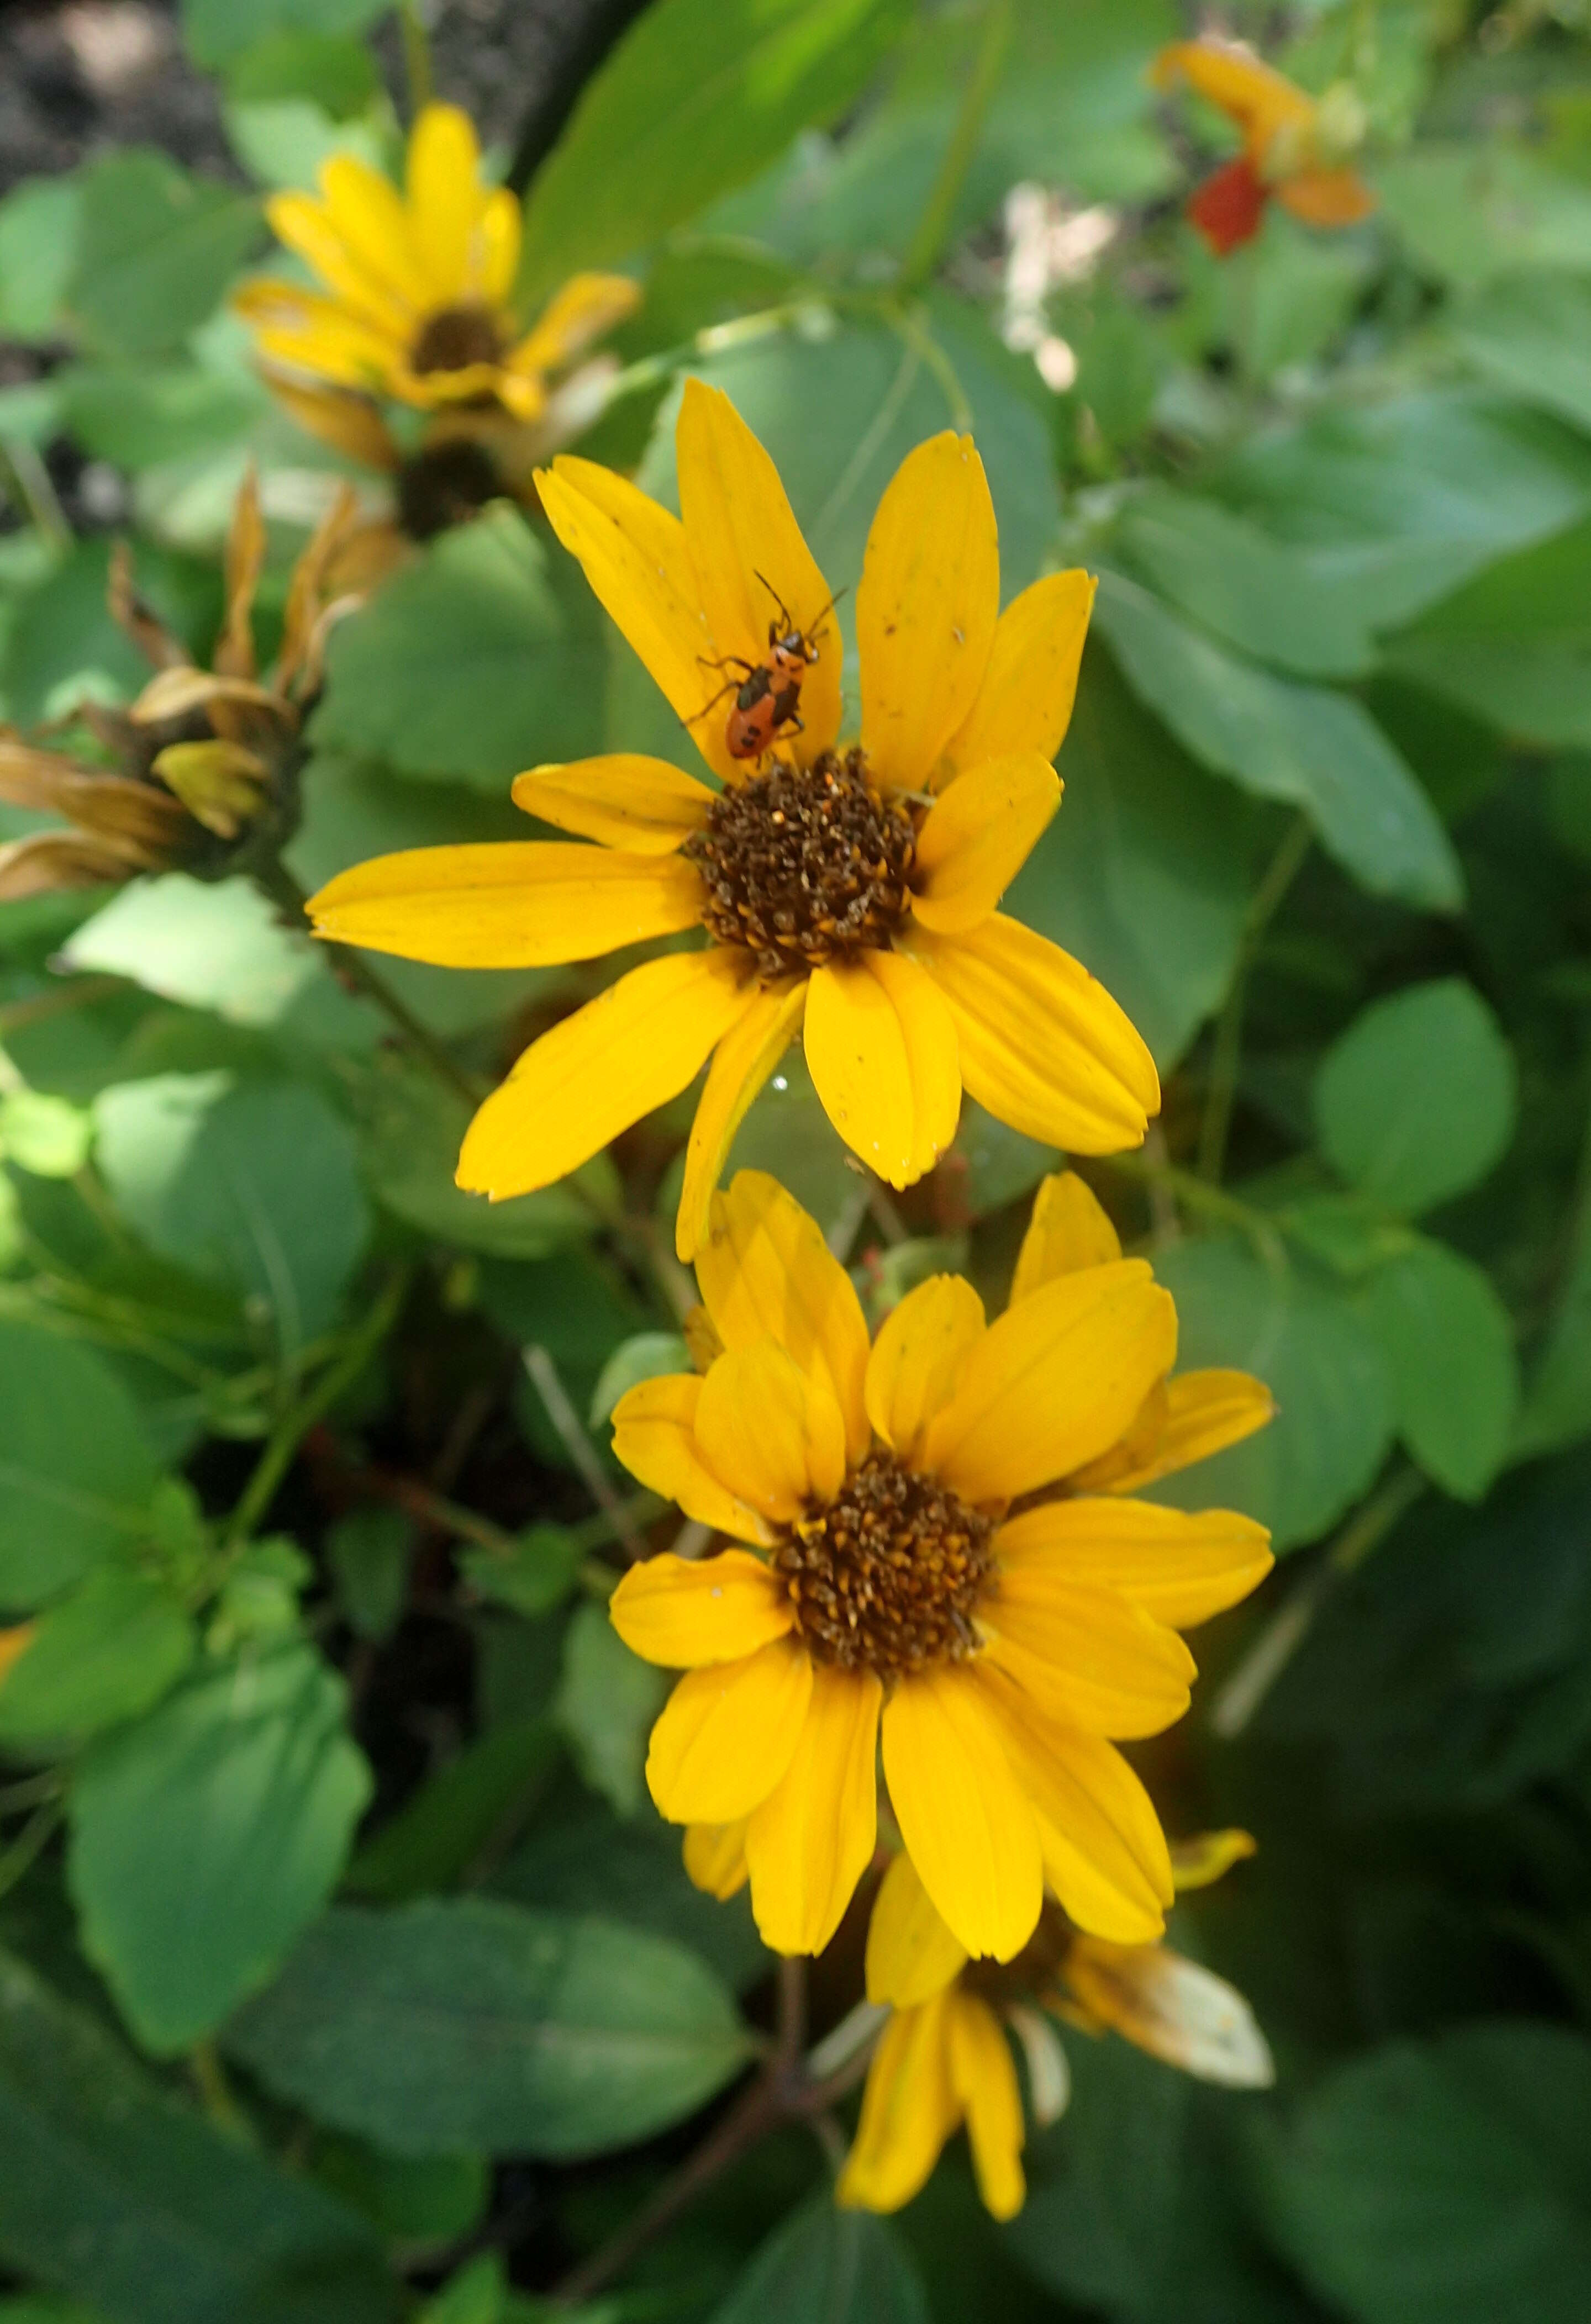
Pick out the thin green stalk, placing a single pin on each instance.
(34, 1838)
(36, 493)
(416, 56)
(933, 227)
(1282, 1636)
(209, 2077)
(1197, 1194)
(282, 1444)
(1226, 1055)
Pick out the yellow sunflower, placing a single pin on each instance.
(849, 894)
(942, 1559)
(943, 2058)
(417, 292)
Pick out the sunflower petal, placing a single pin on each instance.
(684, 1611)
(1208, 1856)
(911, 1955)
(908, 2110)
(1025, 701)
(1105, 1853)
(714, 1858)
(367, 211)
(443, 178)
(918, 1360)
(984, 2078)
(307, 227)
(976, 838)
(638, 563)
(727, 1735)
(507, 903)
(1068, 1230)
(633, 1048)
(1326, 198)
(766, 1272)
(1042, 1044)
(579, 311)
(1054, 1381)
(493, 255)
(742, 1063)
(1088, 1656)
(813, 1837)
(927, 607)
(1180, 1569)
(654, 1435)
(1174, 2008)
(1187, 1419)
(750, 560)
(625, 800)
(773, 1432)
(962, 1813)
(882, 1049)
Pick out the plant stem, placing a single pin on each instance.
(281, 1446)
(933, 227)
(211, 2077)
(1290, 1626)
(1227, 1055)
(1197, 1194)
(30, 1844)
(578, 1444)
(416, 56)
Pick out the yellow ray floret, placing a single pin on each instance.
(850, 895)
(416, 288)
(886, 1599)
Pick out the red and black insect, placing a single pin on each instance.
(767, 693)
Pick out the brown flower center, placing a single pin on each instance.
(887, 1577)
(454, 337)
(804, 865)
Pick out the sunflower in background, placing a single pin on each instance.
(1295, 147)
(941, 1560)
(415, 310)
(202, 768)
(944, 2058)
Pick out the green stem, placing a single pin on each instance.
(282, 1444)
(416, 56)
(1242, 1694)
(1197, 1194)
(209, 2075)
(36, 494)
(933, 227)
(25, 1851)
(1225, 1057)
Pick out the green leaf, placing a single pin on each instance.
(465, 2025)
(155, 250)
(1444, 2182)
(63, 645)
(1417, 1101)
(254, 1185)
(38, 249)
(218, 32)
(1531, 333)
(828, 2266)
(139, 417)
(1513, 645)
(472, 1804)
(48, 1136)
(117, 2194)
(368, 1552)
(425, 2199)
(644, 1356)
(1333, 1418)
(607, 1702)
(1145, 874)
(1449, 1343)
(1472, 210)
(483, 658)
(75, 1470)
(1320, 751)
(110, 1650)
(1272, 601)
(537, 1574)
(697, 97)
(1404, 498)
(205, 1838)
(412, 1134)
(216, 946)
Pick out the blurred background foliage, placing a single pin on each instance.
(345, 1971)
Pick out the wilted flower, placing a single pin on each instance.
(1295, 146)
(850, 893)
(943, 2058)
(206, 761)
(416, 308)
(942, 1558)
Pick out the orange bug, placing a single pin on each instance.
(767, 693)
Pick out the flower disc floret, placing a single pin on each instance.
(455, 337)
(805, 864)
(887, 1577)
